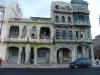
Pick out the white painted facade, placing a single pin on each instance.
(63, 38)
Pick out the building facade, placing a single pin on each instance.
(64, 37)
(96, 46)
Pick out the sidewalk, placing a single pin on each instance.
(33, 66)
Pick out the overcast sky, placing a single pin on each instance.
(41, 8)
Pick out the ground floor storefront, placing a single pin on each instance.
(59, 53)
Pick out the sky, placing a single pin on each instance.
(41, 8)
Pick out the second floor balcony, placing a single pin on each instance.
(88, 40)
(15, 39)
(82, 23)
(63, 10)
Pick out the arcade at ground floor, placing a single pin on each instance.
(58, 53)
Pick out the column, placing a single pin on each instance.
(35, 56)
(19, 55)
(20, 31)
(92, 53)
(73, 53)
(27, 54)
(51, 55)
(38, 33)
(54, 54)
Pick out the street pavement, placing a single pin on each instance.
(50, 71)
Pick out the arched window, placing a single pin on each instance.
(34, 32)
(57, 34)
(24, 32)
(79, 52)
(69, 19)
(57, 19)
(64, 34)
(63, 19)
(14, 31)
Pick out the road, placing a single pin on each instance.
(28, 71)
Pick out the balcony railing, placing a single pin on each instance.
(63, 10)
(64, 23)
(83, 40)
(73, 40)
(41, 40)
(15, 39)
(81, 10)
(81, 23)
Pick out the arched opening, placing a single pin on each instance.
(69, 19)
(63, 56)
(63, 19)
(79, 52)
(45, 33)
(34, 32)
(23, 56)
(57, 34)
(32, 55)
(43, 55)
(88, 52)
(64, 34)
(13, 55)
(56, 19)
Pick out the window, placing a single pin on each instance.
(45, 33)
(57, 7)
(24, 32)
(81, 18)
(34, 32)
(42, 53)
(14, 31)
(77, 34)
(57, 34)
(70, 35)
(64, 34)
(57, 19)
(63, 19)
(81, 33)
(62, 8)
(69, 19)
(67, 8)
(88, 34)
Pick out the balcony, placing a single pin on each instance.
(65, 40)
(49, 40)
(31, 39)
(63, 10)
(82, 23)
(15, 39)
(84, 40)
(42, 40)
(64, 23)
(80, 10)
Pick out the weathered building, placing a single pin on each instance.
(64, 37)
(96, 46)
